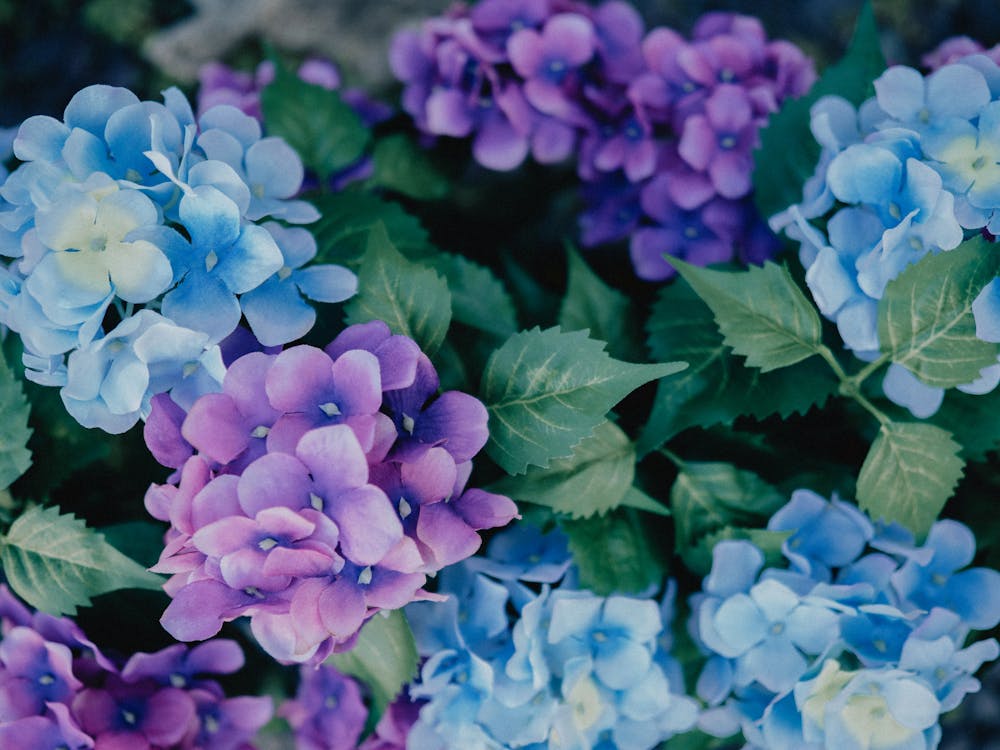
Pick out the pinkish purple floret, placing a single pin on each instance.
(326, 486)
(58, 690)
(558, 77)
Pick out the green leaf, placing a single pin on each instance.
(348, 218)
(788, 152)
(594, 479)
(315, 121)
(478, 298)
(762, 313)
(708, 500)
(56, 564)
(140, 540)
(614, 552)
(547, 390)
(412, 299)
(401, 165)
(15, 458)
(909, 474)
(717, 387)
(636, 498)
(925, 320)
(593, 305)
(384, 658)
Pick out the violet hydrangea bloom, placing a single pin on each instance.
(57, 690)
(327, 712)
(542, 77)
(319, 487)
(784, 644)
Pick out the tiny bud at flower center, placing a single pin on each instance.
(330, 409)
(315, 501)
(211, 260)
(365, 576)
(408, 423)
(404, 508)
(267, 544)
(260, 431)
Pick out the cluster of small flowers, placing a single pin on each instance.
(127, 202)
(58, 690)
(509, 666)
(305, 506)
(910, 172)
(664, 126)
(859, 641)
(220, 84)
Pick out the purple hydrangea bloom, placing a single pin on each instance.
(57, 690)
(327, 712)
(319, 487)
(538, 77)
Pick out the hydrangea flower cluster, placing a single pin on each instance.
(910, 172)
(511, 666)
(327, 712)
(859, 643)
(319, 487)
(58, 690)
(664, 126)
(126, 204)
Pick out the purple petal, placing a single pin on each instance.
(449, 538)
(359, 382)
(499, 146)
(335, 459)
(169, 714)
(215, 427)
(276, 479)
(300, 379)
(368, 524)
(199, 609)
(457, 421)
(342, 609)
(485, 510)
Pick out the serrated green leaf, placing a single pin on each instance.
(592, 305)
(717, 387)
(709, 498)
(788, 152)
(15, 458)
(412, 299)
(401, 165)
(909, 474)
(347, 219)
(478, 298)
(636, 498)
(593, 480)
(761, 312)
(327, 134)
(925, 320)
(384, 658)
(56, 564)
(614, 552)
(547, 390)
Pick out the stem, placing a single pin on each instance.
(677, 460)
(864, 373)
(871, 409)
(827, 355)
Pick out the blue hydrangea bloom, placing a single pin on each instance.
(911, 172)
(126, 204)
(509, 666)
(784, 645)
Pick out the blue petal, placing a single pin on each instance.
(900, 92)
(904, 388)
(986, 310)
(250, 261)
(90, 108)
(957, 91)
(204, 304)
(326, 283)
(40, 138)
(865, 174)
(735, 565)
(277, 313)
(211, 218)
